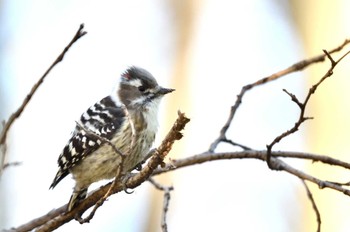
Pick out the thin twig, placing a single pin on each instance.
(314, 206)
(80, 33)
(294, 68)
(166, 201)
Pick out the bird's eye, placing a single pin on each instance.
(142, 88)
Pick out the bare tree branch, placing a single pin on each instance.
(55, 218)
(294, 68)
(247, 154)
(262, 155)
(80, 33)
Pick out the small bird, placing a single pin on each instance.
(127, 119)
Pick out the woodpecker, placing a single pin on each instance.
(127, 119)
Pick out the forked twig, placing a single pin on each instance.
(302, 107)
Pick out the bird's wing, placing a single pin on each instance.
(104, 119)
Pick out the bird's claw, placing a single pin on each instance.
(124, 180)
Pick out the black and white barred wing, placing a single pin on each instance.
(103, 119)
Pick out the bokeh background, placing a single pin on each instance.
(207, 50)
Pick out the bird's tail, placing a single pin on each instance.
(77, 196)
(59, 176)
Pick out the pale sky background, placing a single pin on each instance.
(232, 43)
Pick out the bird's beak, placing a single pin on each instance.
(163, 91)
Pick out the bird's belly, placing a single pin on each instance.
(105, 162)
(101, 164)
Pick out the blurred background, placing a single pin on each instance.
(207, 50)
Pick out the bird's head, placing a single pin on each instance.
(138, 88)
